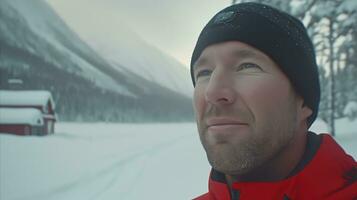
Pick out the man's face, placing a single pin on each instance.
(246, 108)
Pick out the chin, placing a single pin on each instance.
(230, 167)
(234, 171)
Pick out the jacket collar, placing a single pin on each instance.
(218, 184)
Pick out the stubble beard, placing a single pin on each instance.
(237, 158)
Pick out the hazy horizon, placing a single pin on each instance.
(171, 26)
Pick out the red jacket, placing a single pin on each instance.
(325, 172)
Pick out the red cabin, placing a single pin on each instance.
(21, 121)
(19, 102)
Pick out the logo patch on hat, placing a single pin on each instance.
(224, 17)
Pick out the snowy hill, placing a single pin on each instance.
(131, 53)
(39, 48)
(33, 27)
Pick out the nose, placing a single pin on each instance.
(220, 89)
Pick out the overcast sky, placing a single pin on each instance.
(171, 25)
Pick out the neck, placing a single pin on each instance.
(278, 167)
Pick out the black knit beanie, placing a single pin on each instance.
(279, 35)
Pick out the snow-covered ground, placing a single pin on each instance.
(114, 161)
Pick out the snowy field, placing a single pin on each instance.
(115, 162)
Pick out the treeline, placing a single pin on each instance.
(78, 99)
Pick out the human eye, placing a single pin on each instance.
(203, 73)
(250, 66)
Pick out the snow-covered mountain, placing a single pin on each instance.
(38, 47)
(130, 52)
(34, 27)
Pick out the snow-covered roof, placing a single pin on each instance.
(26, 97)
(31, 116)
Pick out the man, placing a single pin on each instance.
(256, 94)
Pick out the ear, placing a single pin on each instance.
(304, 110)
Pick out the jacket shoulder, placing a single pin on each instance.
(348, 192)
(331, 174)
(206, 196)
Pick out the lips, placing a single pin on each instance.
(223, 121)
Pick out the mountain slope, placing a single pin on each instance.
(127, 51)
(38, 47)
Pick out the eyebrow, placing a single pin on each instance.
(200, 62)
(240, 53)
(243, 53)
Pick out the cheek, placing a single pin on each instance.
(199, 101)
(265, 96)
